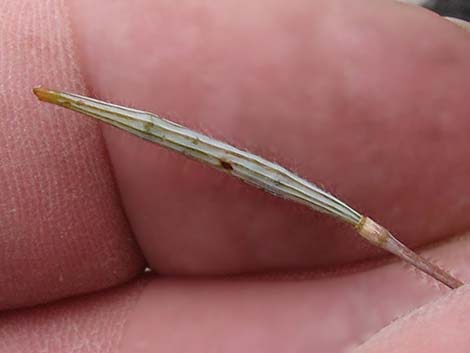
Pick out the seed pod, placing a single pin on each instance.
(246, 166)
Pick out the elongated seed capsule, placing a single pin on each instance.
(248, 167)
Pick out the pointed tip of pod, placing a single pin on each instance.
(50, 96)
(44, 94)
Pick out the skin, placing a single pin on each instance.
(367, 98)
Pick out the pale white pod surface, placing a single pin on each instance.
(250, 168)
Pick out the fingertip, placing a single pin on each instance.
(461, 23)
(440, 326)
(357, 86)
(89, 323)
(62, 228)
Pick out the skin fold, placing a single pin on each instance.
(366, 98)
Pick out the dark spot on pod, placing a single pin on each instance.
(226, 165)
(148, 125)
